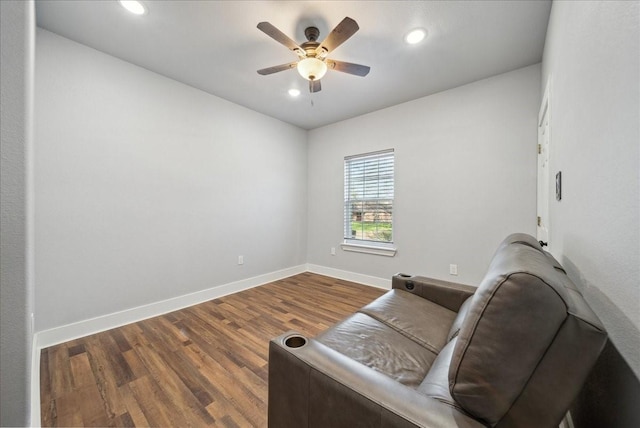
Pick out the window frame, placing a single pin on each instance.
(383, 248)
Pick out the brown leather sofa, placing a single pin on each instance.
(513, 352)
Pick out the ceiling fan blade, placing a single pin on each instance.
(279, 36)
(348, 67)
(314, 86)
(345, 29)
(277, 68)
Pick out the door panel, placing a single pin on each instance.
(542, 230)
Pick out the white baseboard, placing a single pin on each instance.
(372, 281)
(65, 333)
(84, 328)
(34, 391)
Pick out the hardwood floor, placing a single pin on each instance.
(205, 365)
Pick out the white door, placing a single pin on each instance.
(542, 231)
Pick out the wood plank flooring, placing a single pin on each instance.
(205, 365)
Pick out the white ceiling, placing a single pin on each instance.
(216, 47)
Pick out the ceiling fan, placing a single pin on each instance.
(313, 62)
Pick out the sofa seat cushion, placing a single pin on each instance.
(380, 347)
(419, 319)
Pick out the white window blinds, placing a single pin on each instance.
(368, 197)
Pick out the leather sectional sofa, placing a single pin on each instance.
(513, 352)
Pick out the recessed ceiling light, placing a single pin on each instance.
(133, 6)
(415, 36)
(294, 92)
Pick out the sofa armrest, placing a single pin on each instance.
(451, 295)
(312, 385)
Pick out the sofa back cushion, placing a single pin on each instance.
(527, 342)
(530, 241)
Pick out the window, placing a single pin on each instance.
(368, 203)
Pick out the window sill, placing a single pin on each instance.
(389, 251)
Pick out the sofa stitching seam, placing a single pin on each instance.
(409, 336)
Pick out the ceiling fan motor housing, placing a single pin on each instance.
(311, 33)
(309, 47)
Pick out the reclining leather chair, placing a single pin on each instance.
(513, 352)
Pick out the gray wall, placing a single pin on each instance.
(592, 60)
(465, 177)
(147, 189)
(16, 74)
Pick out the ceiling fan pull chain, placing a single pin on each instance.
(311, 92)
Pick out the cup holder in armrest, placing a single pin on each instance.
(403, 281)
(295, 341)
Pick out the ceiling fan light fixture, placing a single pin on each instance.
(133, 6)
(415, 36)
(312, 68)
(313, 62)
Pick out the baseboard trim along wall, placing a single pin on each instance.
(360, 278)
(34, 390)
(65, 333)
(84, 328)
(54, 336)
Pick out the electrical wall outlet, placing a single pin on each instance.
(240, 260)
(333, 251)
(453, 269)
